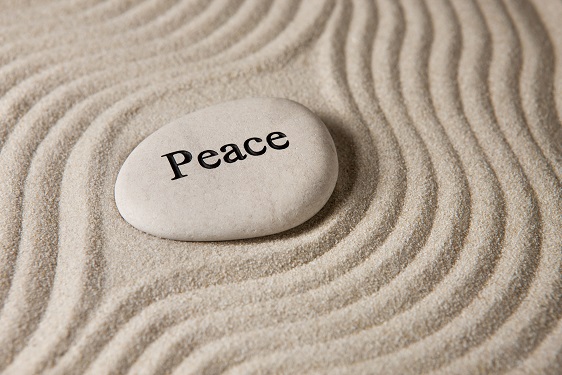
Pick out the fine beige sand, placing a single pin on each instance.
(440, 250)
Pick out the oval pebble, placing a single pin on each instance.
(239, 169)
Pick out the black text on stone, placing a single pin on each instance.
(210, 159)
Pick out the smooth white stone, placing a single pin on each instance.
(256, 196)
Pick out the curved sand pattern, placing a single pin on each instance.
(440, 250)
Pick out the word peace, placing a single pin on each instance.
(231, 153)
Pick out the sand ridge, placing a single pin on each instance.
(440, 250)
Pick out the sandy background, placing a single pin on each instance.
(440, 250)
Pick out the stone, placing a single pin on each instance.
(239, 169)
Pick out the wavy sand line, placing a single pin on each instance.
(33, 60)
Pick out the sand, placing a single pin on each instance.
(440, 250)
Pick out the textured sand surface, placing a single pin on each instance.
(440, 250)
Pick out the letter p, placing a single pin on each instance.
(175, 164)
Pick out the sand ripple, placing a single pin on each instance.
(440, 250)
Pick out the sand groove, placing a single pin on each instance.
(440, 251)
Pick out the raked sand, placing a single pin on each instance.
(440, 250)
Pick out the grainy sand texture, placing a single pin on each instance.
(440, 250)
